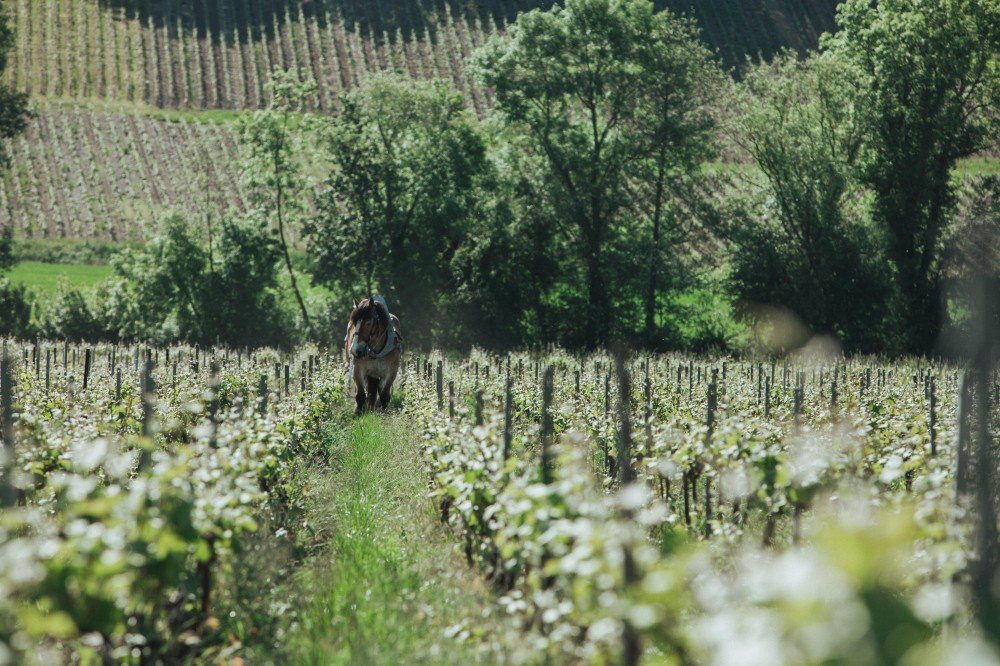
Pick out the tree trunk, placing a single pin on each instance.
(279, 206)
(654, 250)
(598, 308)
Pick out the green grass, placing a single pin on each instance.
(980, 165)
(44, 278)
(389, 584)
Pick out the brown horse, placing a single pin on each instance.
(372, 352)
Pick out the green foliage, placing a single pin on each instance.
(824, 537)
(6, 250)
(608, 96)
(13, 105)
(123, 547)
(406, 159)
(274, 140)
(925, 77)
(71, 314)
(15, 309)
(175, 288)
(806, 243)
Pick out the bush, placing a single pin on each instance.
(71, 315)
(15, 310)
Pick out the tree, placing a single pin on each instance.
(808, 245)
(6, 249)
(274, 139)
(405, 161)
(676, 127)
(926, 79)
(605, 91)
(172, 288)
(13, 105)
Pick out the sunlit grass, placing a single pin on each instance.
(44, 278)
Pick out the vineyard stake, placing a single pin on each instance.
(710, 423)
(148, 396)
(626, 474)
(767, 397)
(962, 436)
(508, 414)
(440, 385)
(8, 495)
(86, 368)
(213, 405)
(933, 418)
(262, 395)
(548, 430)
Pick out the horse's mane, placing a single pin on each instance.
(371, 305)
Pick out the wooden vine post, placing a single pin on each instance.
(8, 495)
(479, 407)
(148, 397)
(548, 430)
(626, 473)
(508, 415)
(440, 385)
(710, 423)
(88, 354)
(932, 420)
(962, 436)
(262, 395)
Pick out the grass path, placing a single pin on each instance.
(389, 587)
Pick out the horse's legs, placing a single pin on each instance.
(372, 393)
(385, 395)
(359, 397)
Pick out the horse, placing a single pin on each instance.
(372, 352)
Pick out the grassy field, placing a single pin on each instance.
(43, 278)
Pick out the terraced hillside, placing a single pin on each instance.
(96, 164)
(87, 173)
(219, 53)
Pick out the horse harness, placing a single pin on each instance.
(392, 338)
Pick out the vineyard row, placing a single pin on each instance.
(96, 174)
(220, 54)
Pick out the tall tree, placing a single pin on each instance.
(405, 161)
(808, 245)
(275, 145)
(599, 86)
(676, 127)
(926, 74)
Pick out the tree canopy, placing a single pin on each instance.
(604, 91)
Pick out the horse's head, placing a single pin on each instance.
(370, 323)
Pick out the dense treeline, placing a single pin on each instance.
(618, 148)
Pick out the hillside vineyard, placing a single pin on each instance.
(219, 54)
(96, 164)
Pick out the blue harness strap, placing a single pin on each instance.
(390, 342)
